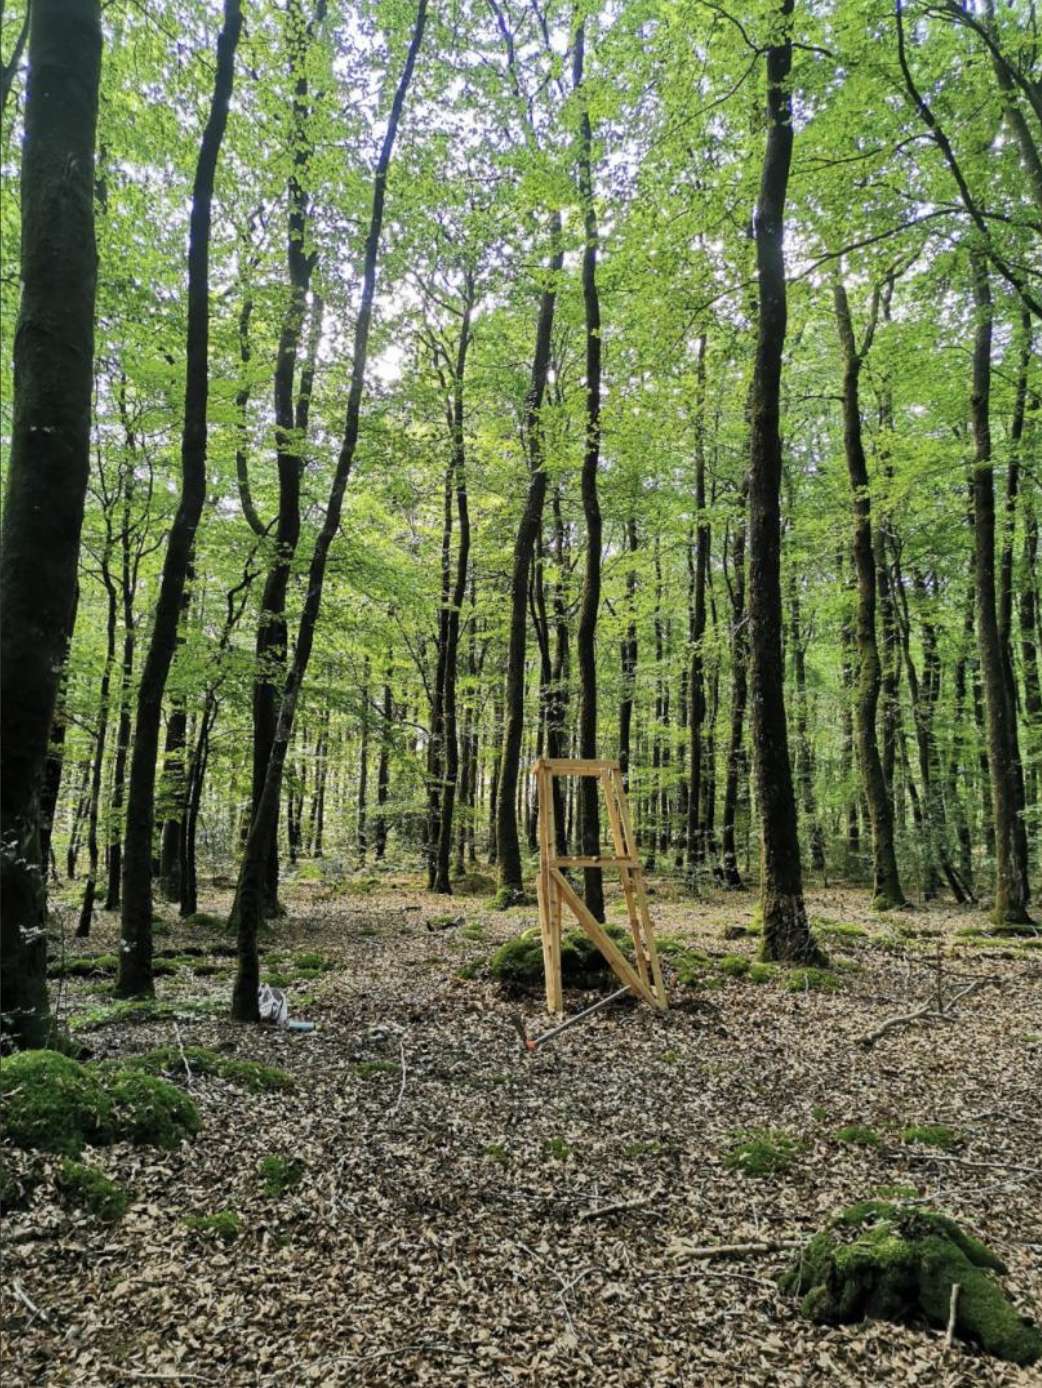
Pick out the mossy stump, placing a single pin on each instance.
(893, 1262)
(519, 963)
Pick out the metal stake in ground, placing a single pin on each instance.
(533, 1044)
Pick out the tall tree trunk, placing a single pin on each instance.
(786, 933)
(442, 882)
(100, 740)
(172, 796)
(739, 692)
(697, 628)
(47, 472)
(134, 976)
(383, 770)
(54, 765)
(629, 655)
(586, 634)
(804, 754)
(886, 887)
(362, 838)
(291, 428)
(1011, 866)
(249, 897)
(508, 847)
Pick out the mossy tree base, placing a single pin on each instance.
(896, 1263)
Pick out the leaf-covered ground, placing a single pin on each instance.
(452, 1222)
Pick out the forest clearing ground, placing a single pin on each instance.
(445, 1229)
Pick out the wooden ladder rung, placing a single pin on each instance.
(604, 861)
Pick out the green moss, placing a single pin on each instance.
(473, 884)
(519, 962)
(858, 1136)
(474, 931)
(225, 1225)
(763, 1152)
(85, 966)
(278, 980)
(247, 1074)
(644, 1149)
(51, 1103)
(761, 973)
(145, 1010)
(369, 1069)
(882, 1260)
(930, 1135)
(812, 980)
(734, 965)
(495, 1151)
(311, 959)
(91, 1190)
(206, 918)
(469, 970)
(843, 930)
(556, 1149)
(280, 1174)
(669, 945)
(149, 1112)
(819, 1113)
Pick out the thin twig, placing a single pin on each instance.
(966, 1161)
(174, 1375)
(184, 1058)
(734, 1250)
(24, 1298)
(617, 1208)
(950, 1335)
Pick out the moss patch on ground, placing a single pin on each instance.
(519, 962)
(89, 1189)
(763, 1152)
(892, 1262)
(247, 1074)
(52, 1103)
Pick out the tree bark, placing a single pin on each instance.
(134, 977)
(786, 933)
(507, 843)
(47, 472)
(249, 897)
(886, 887)
(1011, 866)
(739, 695)
(586, 634)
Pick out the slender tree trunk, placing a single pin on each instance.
(786, 933)
(362, 839)
(629, 656)
(457, 597)
(249, 901)
(291, 429)
(739, 692)
(47, 472)
(54, 765)
(383, 777)
(696, 677)
(507, 842)
(804, 754)
(586, 634)
(886, 888)
(134, 976)
(1011, 866)
(100, 740)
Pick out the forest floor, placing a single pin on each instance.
(472, 1214)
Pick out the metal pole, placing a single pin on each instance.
(531, 1045)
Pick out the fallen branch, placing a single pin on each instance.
(966, 1161)
(619, 1207)
(731, 1250)
(24, 1298)
(931, 1012)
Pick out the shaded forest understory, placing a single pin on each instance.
(450, 1196)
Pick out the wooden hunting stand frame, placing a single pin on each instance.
(556, 892)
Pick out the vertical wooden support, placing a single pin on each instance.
(555, 891)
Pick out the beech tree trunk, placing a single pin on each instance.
(134, 976)
(249, 897)
(739, 695)
(1011, 864)
(586, 634)
(786, 933)
(47, 472)
(887, 891)
(508, 845)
